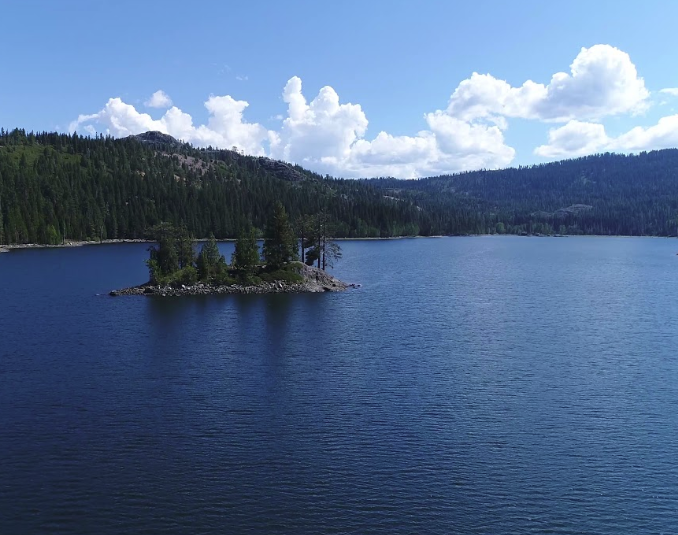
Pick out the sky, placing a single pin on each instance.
(351, 88)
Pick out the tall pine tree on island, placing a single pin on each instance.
(185, 245)
(317, 242)
(280, 242)
(305, 227)
(163, 260)
(210, 261)
(245, 257)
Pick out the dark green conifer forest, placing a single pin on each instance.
(56, 187)
(605, 194)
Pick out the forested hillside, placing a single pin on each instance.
(601, 194)
(58, 186)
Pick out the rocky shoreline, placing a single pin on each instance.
(315, 281)
(19, 246)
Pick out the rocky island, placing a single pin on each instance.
(312, 280)
(176, 270)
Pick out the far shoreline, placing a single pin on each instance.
(6, 248)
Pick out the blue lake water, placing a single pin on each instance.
(471, 385)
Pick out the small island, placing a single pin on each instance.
(175, 269)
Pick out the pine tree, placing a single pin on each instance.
(163, 260)
(246, 254)
(321, 247)
(210, 260)
(185, 248)
(331, 253)
(280, 243)
(305, 227)
(167, 257)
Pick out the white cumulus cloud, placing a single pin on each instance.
(226, 127)
(321, 129)
(662, 135)
(159, 99)
(329, 135)
(581, 138)
(574, 139)
(602, 81)
(323, 134)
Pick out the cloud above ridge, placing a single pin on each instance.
(330, 136)
(225, 128)
(580, 138)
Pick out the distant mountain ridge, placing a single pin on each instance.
(600, 194)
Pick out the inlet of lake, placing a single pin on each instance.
(471, 385)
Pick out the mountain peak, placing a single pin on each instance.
(155, 137)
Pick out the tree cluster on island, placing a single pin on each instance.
(174, 260)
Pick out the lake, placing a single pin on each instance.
(471, 385)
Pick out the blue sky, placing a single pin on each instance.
(400, 97)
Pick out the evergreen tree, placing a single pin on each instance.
(52, 236)
(163, 260)
(210, 261)
(314, 240)
(185, 246)
(305, 227)
(322, 249)
(246, 254)
(331, 253)
(313, 256)
(167, 257)
(280, 243)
